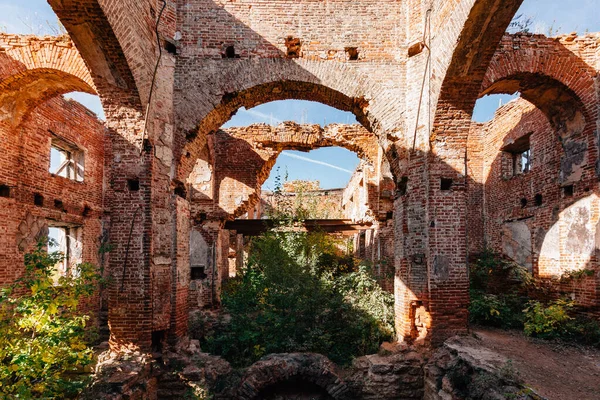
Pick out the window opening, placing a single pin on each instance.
(66, 160)
(66, 240)
(522, 157)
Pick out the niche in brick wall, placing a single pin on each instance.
(38, 200)
(230, 52)
(170, 47)
(352, 53)
(4, 191)
(294, 47)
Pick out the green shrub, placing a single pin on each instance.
(43, 347)
(548, 321)
(556, 321)
(502, 311)
(284, 302)
(497, 291)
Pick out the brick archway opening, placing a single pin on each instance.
(279, 373)
(22, 92)
(557, 101)
(195, 145)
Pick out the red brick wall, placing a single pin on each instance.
(24, 164)
(562, 229)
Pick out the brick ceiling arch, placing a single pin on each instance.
(279, 368)
(282, 89)
(102, 46)
(481, 25)
(244, 157)
(546, 74)
(36, 69)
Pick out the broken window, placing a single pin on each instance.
(66, 160)
(520, 155)
(66, 240)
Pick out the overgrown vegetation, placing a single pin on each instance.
(503, 294)
(299, 292)
(498, 291)
(44, 346)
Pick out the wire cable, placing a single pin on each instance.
(153, 75)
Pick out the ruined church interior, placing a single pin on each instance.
(450, 225)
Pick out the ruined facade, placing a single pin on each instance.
(164, 177)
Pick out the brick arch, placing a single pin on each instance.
(280, 368)
(35, 69)
(244, 157)
(547, 74)
(294, 136)
(249, 83)
(88, 23)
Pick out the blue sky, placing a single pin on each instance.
(556, 16)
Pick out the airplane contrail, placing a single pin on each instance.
(317, 162)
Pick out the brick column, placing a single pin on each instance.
(129, 201)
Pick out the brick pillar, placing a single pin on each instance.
(447, 251)
(129, 201)
(239, 252)
(181, 274)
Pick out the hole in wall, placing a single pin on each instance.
(402, 186)
(352, 53)
(86, 211)
(58, 204)
(170, 47)
(230, 52)
(293, 47)
(133, 185)
(389, 215)
(523, 202)
(445, 184)
(4, 191)
(38, 200)
(180, 190)
(569, 190)
(538, 200)
(197, 272)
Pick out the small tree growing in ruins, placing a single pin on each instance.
(44, 335)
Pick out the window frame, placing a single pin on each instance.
(73, 167)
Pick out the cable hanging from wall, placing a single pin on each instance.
(153, 75)
(426, 43)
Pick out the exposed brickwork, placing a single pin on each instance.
(347, 54)
(527, 216)
(243, 159)
(24, 168)
(36, 69)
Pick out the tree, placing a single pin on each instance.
(44, 345)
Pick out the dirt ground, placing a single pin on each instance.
(554, 370)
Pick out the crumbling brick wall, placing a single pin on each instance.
(530, 217)
(545, 218)
(243, 159)
(36, 198)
